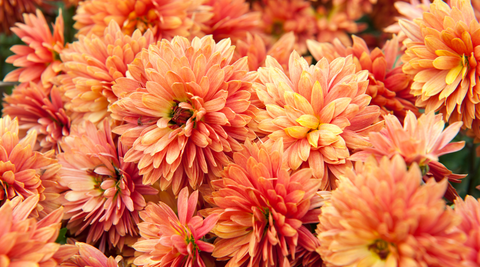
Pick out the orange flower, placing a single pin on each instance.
(104, 193)
(87, 255)
(264, 209)
(469, 211)
(441, 56)
(419, 141)
(231, 19)
(92, 64)
(171, 240)
(39, 109)
(335, 23)
(165, 18)
(38, 59)
(184, 107)
(320, 112)
(382, 215)
(23, 240)
(388, 86)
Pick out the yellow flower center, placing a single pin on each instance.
(140, 21)
(381, 248)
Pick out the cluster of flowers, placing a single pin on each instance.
(156, 142)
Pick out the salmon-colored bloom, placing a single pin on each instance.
(87, 255)
(171, 240)
(39, 109)
(419, 141)
(104, 193)
(92, 64)
(441, 54)
(184, 107)
(388, 86)
(382, 215)
(38, 59)
(264, 209)
(231, 19)
(24, 241)
(165, 18)
(320, 112)
(335, 23)
(469, 211)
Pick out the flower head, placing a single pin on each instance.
(382, 215)
(320, 112)
(441, 55)
(420, 140)
(264, 209)
(184, 107)
(104, 193)
(171, 240)
(388, 86)
(469, 211)
(92, 64)
(87, 255)
(38, 59)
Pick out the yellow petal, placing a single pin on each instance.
(308, 121)
(453, 73)
(297, 132)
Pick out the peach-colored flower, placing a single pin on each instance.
(104, 193)
(264, 209)
(282, 16)
(382, 215)
(165, 18)
(24, 241)
(335, 23)
(92, 64)
(38, 59)
(87, 255)
(171, 240)
(388, 86)
(184, 107)
(320, 111)
(231, 19)
(469, 211)
(441, 55)
(419, 141)
(39, 109)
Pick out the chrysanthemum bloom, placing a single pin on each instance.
(282, 16)
(105, 193)
(38, 109)
(263, 208)
(92, 64)
(441, 54)
(23, 170)
(419, 141)
(90, 256)
(171, 240)
(184, 107)
(383, 215)
(37, 60)
(320, 111)
(388, 86)
(335, 23)
(469, 211)
(24, 241)
(231, 19)
(165, 18)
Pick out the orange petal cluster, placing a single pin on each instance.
(184, 107)
(469, 211)
(320, 111)
(87, 255)
(382, 215)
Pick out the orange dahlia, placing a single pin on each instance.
(92, 64)
(104, 193)
(382, 215)
(87, 255)
(469, 211)
(165, 18)
(24, 242)
(264, 209)
(441, 55)
(320, 112)
(419, 141)
(37, 60)
(184, 107)
(388, 86)
(39, 109)
(231, 19)
(171, 240)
